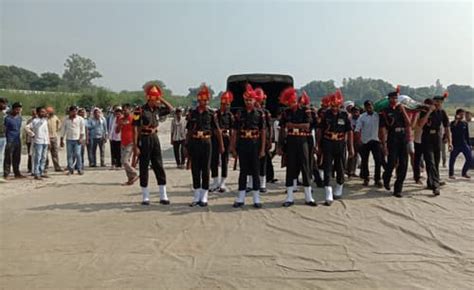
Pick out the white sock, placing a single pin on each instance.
(163, 194)
(145, 194)
(307, 194)
(321, 173)
(204, 194)
(289, 194)
(256, 196)
(222, 182)
(249, 181)
(263, 182)
(338, 190)
(215, 182)
(197, 195)
(328, 191)
(241, 197)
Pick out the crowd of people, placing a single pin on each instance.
(315, 144)
(83, 133)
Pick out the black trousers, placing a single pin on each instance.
(30, 157)
(397, 153)
(224, 157)
(178, 149)
(432, 154)
(365, 150)
(150, 151)
(417, 161)
(297, 160)
(333, 152)
(116, 150)
(12, 158)
(270, 171)
(200, 151)
(248, 151)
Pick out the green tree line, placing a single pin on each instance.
(75, 86)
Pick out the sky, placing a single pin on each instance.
(185, 43)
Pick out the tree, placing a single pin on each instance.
(317, 89)
(79, 72)
(12, 77)
(47, 82)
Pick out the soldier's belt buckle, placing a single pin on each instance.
(333, 136)
(248, 134)
(296, 130)
(200, 134)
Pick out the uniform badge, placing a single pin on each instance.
(136, 117)
(340, 121)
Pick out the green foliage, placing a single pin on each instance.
(79, 72)
(47, 82)
(13, 77)
(317, 89)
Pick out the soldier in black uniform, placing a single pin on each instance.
(225, 120)
(394, 122)
(334, 134)
(202, 123)
(260, 104)
(431, 122)
(248, 141)
(295, 125)
(146, 144)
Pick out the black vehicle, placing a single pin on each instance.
(272, 85)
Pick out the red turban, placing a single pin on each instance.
(260, 95)
(204, 94)
(153, 91)
(227, 97)
(249, 92)
(288, 96)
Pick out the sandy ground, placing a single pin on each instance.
(90, 232)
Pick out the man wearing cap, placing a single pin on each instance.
(202, 123)
(13, 147)
(248, 142)
(146, 143)
(98, 132)
(367, 132)
(54, 126)
(431, 121)
(334, 130)
(295, 130)
(225, 121)
(393, 131)
(74, 131)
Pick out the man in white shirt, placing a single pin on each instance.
(37, 129)
(367, 131)
(74, 131)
